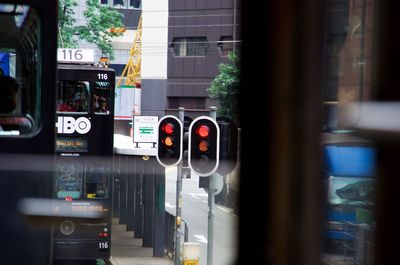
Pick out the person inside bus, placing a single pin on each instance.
(68, 106)
(8, 103)
(81, 103)
(102, 106)
(96, 104)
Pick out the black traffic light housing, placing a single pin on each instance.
(186, 172)
(204, 146)
(228, 145)
(169, 142)
(186, 125)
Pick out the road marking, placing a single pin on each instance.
(197, 195)
(201, 238)
(168, 205)
(223, 209)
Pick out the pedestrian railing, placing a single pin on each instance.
(170, 233)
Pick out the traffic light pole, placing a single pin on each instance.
(178, 219)
(211, 205)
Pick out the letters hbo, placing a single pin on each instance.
(69, 125)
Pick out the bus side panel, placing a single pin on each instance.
(27, 239)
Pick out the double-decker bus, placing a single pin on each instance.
(28, 42)
(84, 148)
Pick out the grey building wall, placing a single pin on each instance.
(154, 97)
(189, 77)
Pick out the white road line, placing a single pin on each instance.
(224, 210)
(201, 238)
(197, 195)
(168, 205)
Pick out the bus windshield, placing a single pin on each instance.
(72, 176)
(73, 96)
(20, 33)
(96, 182)
(69, 181)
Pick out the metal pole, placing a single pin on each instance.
(211, 204)
(178, 218)
(234, 26)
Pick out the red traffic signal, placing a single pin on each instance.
(169, 151)
(204, 146)
(168, 128)
(203, 131)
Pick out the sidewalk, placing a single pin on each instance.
(127, 250)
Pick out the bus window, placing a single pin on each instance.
(20, 66)
(96, 182)
(73, 96)
(69, 180)
(101, 98)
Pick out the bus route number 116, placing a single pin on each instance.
(65, 55)
(102, 76)
(103, 245)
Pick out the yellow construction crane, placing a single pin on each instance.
(132, 68)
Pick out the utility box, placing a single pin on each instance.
(191, 253)
(127, 102)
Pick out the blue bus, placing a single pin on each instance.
(349, 175)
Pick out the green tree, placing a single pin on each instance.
(225, 88)
(99, 20)
(66, 22)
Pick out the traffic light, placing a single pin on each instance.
(185, 158)
(169, 151)
(228, 150)
(204, 146)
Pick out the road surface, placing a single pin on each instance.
(195, 214)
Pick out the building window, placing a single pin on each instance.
(225, 44)
(104, 2)
(187, 102)
(136, 4)
(126, 4)
(120, 3)
(190, 46)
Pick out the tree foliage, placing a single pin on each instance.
(99, 20)
(225, 88)
(66, 22)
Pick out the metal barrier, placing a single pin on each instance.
(170, 230)
(360, 245)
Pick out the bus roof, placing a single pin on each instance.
(79, 67)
